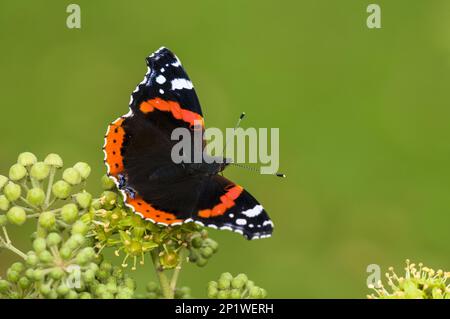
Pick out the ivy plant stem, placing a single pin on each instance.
(176, 273)
(49, 187)
(166, 290)
(6, 243)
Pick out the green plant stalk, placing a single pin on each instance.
(6, 243)
(167, 291)
(49, 187)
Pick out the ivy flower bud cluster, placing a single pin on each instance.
(238, 287)
(153, 291)
(419, 282)
(202, 248)
(73, 229)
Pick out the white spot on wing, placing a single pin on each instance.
(179, 84)
(161, 91)
(241, 221)
(267, 222)
(160, 79)
(253, 212)
(177, 63)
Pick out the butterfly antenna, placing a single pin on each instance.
(234, 130)
(258, 170)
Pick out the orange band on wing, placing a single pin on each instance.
(148, 211)
(173, 107)
(114, 141)
(226, 202)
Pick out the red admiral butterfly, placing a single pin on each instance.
(138, 156)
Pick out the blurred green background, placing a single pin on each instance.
(363, 117)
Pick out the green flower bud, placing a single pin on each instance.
(130, 283)
(197, 242)
(40, 171)
(17, 172)
(69, 213)
(79, 227)
(109, 199)
(47, 220)
(263, 293)
(106, 266)
(45, 290)
(226, 276)
(4, 285)
(185, 291)
(212, 243)
(72, 294)
(239, 281)
(24, 282)
(71, 244)
(36, 196)
(124, 295)
(249, 285)
(12, 275)
(86, 255)
(201, 262)
(192, 256)
(17, 266)
(52, 295)
(85, 295)
(65, 252)
(32, 259)
(26, 159)
(53, 239)
(107, 183)
(152, 286)
(235, 294)
(212, 284)
(84, 169)
(93, 266)
(255, 293)
(78, 239)
(12, 191)
(54, 160)
(39, 245)
(89, 276)
(224, 283)
(72, 176)
(83, 199)
(96, 203)
(223, 294)
(212, 292)
(45, 256)
(38, 275)
(16, 215)
(206, 252)
(111, 287)
(61, 189)
(3, 181)
(29, 273)
(41, 232)
(62, 290)
(4, 203)
(102, 275)
(3, 220)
